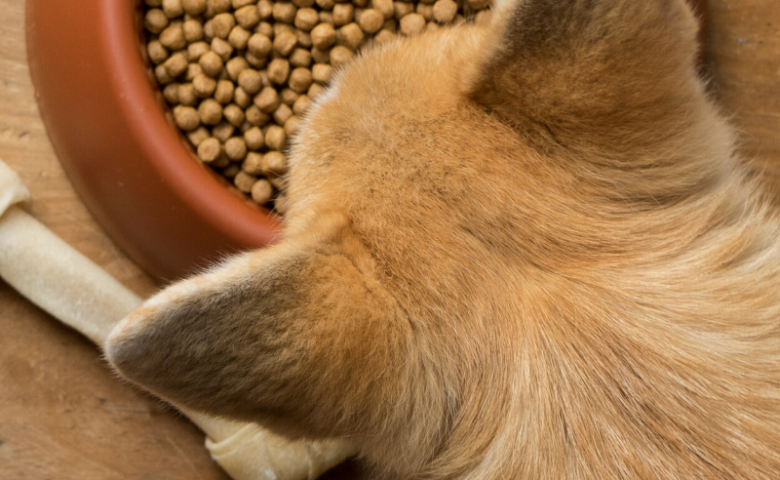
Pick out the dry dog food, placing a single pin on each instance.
(239, 74)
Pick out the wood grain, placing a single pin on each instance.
(64, 415)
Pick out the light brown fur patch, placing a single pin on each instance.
(518, 252)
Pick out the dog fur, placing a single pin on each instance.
(520, 251)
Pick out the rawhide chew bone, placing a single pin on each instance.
(74, 290)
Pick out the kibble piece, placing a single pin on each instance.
(172, 8)
(275, 137)
(323, 36)
(304, 38)
(340, 55)
(155, 20)
(234, 114)
(223, 24)
(402, 9)
(253, 163)
(284, 12)
(371, 20)
(426, 11)
(176, 65)
(320, 56)
(197, 50)
(254, 139)
(327, 17)
(321, 72)
(239, 37)
(186, 118)
(193, 7)
(222, 48)
(282, 204)
(171, 93)
(262, 191)
(242, 3)
(360, 3)
(198, 135)
(284, 43)
(444, 11)
(203, 86)
(280, 28)
(384, 36)
(223, 93)
(259, 45)
(358, 13)
(223, 131)
(278, 70)
(412, 24)
(390, 25)
(343, 13)
(247, 17)
(282, 114)
(210, 111)
(432, 27)
(235, 148)
(172, 38)
(193, 30)
(186, 95)
(289, 96)
(483, 17)
(326, 4)
(300, 57)
(291, 126)
(265, 28)
(306, 18)
(384, 6)
(157, 53)
(315, 90)
(244, 181)
(301, 105)
(265, 8)
(209, 150)
(208, 30)
(162, 75)
(220, 6)
(230, 170)
(267, 100)
(211, 63)
(275, 163)
(300, 79)
(257, 117)
(193, 70)
(240, 97)
(235, 66)
(478, 4)
(250, 81)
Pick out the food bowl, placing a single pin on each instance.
(116, 141)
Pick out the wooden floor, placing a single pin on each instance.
(63, 415)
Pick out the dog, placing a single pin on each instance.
(525, 250)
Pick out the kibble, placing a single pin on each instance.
(262, 191)
(235, 148)
(209, 149)
(210, 111)
(240, 75)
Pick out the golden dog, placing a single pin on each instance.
(518, 251)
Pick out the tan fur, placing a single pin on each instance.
(517, 252)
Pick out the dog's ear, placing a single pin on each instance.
(299, 334)
(587, 73)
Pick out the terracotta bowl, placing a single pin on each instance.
(115, 139)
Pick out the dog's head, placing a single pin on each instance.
(431, 184)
